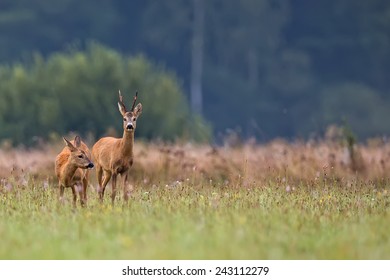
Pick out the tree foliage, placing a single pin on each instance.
(78, 91)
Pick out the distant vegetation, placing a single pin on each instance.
(77, 91)
(271, 68)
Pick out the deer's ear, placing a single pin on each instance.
(77, 141)
(69, 145)
(138, 109)
(121, 108)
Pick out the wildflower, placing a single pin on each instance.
(145, 195)
(23, 181)
(46, 184)
(8, 186)
(175, 184)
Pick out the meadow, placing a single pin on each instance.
(280, 200)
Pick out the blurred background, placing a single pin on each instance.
(204, 69)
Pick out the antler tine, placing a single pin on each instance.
(121, 99)
(135, 99)
(120, 96)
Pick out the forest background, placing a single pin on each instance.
(204, 69)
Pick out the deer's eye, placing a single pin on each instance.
(80, 156)
(134, 119)
(124, 119)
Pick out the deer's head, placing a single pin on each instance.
(129, 117)
(77, 156)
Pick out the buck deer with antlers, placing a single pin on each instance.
(71, 169)
(114, 156)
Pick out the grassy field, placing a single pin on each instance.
(275, 201)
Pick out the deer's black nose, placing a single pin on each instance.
(129, 126)
(90, 165)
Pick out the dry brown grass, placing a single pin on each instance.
(302, 200)
(243, 166)
(37, 162)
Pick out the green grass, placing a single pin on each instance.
(209, 221)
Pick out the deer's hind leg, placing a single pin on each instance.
(62, 189)
(126, 187)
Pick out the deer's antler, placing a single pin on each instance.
(121, 100)
(135, 99)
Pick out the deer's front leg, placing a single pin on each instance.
(102, 188)
(99, 174)
(126, 188)
(74, 195)
(83, 195)
(114, 177)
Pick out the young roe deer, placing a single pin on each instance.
(114, 156)
(71, 169)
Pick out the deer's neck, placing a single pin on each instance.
(127, 143)
(68, 173)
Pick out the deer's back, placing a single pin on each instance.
(61, 160)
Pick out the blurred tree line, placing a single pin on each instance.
(269, 67)
(77, 91)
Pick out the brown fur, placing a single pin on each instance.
(72, 171)
(114, 156)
